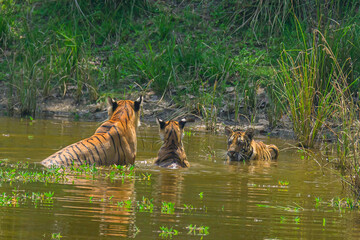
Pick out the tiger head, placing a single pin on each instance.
(172, 131)
(239, 144)
(131, 110)
(172, 153)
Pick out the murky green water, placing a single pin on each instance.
(239, 201)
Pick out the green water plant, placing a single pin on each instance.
(136, 231)
(19, 198)
(197, 230)
(188, 207)
(23, 172)
(128, 204)
(210, 153)
(166, 232)
(287, 208)
(168, 207)
(344, 203)
(145, 205)
(56, 236)
(201, 195)
(146, 176)
(188, 133)
(283, 183)
(318, 201)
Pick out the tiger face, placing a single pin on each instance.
(239, 144)
(242, 146)
(171, 153)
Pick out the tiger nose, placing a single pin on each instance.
(231, 153)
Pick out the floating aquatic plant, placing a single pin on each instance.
(198, 231)
(167, 232)
(168, 207)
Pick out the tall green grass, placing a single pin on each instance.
(312, 80)
(48, 46)
(316, 86)
(87, 49)
(308, 105)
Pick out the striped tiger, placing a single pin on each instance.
(172, 153)
(242, 146)
(114, 142)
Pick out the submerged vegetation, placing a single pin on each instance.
(24, 173)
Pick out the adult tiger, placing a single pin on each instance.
(172, 153)
(242, 146)
(114, 142)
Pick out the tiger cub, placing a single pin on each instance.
(172, 153)
(114, 142)
(242, 146)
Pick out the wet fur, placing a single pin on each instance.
(172, 153)
(114, 142)
(242, 146)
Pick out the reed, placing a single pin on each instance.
(315, 85)
(310, 95)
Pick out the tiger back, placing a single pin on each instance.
(114, 142)
(242, 146)
(172, 153)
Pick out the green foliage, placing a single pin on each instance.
(198, 231)
(194, 52)
(167, 232)
(168, 207)
(56, 236)
(82, 48)
(16, 198)
(201, 195)
(308, 94)
(283, 183)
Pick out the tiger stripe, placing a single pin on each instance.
(100, 161)
(172, 153)
(114, 142)
(79, 159)
(102, 148)
(242, 146)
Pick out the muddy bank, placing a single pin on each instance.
(56, 106)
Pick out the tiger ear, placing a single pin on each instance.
(137, 103)
(228, 131)
(112, 105)
(161, 123)
(182, 123)
(250, 133)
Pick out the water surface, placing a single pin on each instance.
(239, 201)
